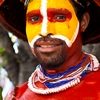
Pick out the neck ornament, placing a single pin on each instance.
(53, 83)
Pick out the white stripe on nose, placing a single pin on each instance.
(43, 11)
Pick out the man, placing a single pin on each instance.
(54, 30)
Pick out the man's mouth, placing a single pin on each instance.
(48, 48)
(48, 44)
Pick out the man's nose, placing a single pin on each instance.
(49, 29)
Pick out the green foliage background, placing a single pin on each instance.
(1, 93)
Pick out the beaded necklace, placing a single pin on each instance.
(59, 82)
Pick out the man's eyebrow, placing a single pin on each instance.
(33, 12)
(49, 11)
(59, 11)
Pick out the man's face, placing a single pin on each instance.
(52, 27)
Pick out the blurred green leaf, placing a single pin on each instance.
(1, 93)
(1, 50)
(3, 59)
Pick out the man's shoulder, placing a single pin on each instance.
(18, 91)
(23, 86)
(89, 87)
(95, 75)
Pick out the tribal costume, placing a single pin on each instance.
(82, 86)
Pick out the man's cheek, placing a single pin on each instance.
(32, 31)
(65, 29)
(32, 50)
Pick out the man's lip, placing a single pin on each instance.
(48, 48)
(47, 44)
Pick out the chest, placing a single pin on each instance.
(86, 90)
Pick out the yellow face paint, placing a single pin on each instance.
(51, 16)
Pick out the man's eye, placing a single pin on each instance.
(60, 17)
(35, 19)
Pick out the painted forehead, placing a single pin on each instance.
(46, 4)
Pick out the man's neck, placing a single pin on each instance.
(74, 61)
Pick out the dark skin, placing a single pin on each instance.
(54, 47)
(74, 54)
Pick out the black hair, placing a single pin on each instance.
(80, 7)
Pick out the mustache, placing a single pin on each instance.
(49, 39)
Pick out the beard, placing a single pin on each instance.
(51, 61)
(54, 59)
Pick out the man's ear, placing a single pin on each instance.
(84, 22)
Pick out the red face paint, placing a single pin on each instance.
(58, 15)
(34, 17)
(54, 15)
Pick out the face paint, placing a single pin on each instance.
(51, 17)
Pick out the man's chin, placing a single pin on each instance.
(52, 64)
